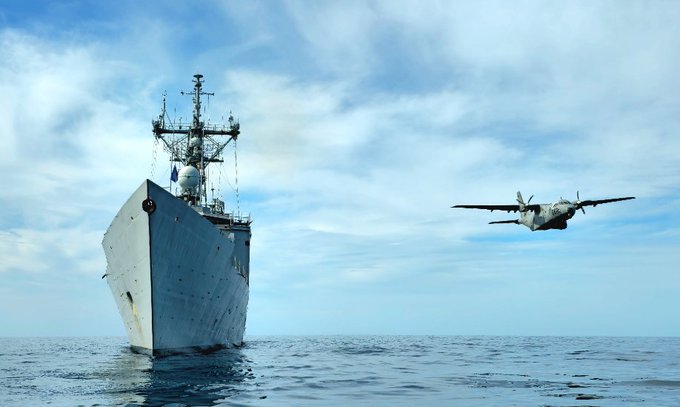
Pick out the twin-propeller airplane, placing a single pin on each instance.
(543, 216)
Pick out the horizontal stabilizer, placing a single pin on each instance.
(515, 221)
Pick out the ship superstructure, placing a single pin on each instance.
(178, 265)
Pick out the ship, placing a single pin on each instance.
(178, 264)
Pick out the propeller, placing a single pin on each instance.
(578, 203)
(522, 204)
(520, 201)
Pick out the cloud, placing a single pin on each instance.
(361, 124)
(71, 153)
(517, 105)
(74, 150)
(574, 84)
(52, 251)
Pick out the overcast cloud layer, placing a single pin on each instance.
(362, 123)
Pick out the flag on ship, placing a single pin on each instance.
(174, 176)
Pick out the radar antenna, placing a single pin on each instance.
(194, 144)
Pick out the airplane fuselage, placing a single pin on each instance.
(548, 216)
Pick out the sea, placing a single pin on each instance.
(347, 371)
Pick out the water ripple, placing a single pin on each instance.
(358, 371)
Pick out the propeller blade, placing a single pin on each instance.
(578, 203)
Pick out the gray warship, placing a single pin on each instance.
(178, 264)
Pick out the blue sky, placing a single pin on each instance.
(362, 123)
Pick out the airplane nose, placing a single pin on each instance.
(571, 212)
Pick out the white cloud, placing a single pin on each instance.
(56, 251)
(67, 138)
(591, 91)
(361, 124)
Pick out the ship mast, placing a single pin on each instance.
(194, 145)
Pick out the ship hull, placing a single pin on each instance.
(180, 282)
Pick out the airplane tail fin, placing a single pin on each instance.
(520, 201)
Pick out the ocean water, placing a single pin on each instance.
(347, 371)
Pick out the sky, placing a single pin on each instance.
(362, 122)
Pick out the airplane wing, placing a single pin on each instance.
(507, 208)
(594, 203)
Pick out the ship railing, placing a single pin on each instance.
(239, 218)
(224, 218)
(235, 217)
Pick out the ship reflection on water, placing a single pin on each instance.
(187, 379)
